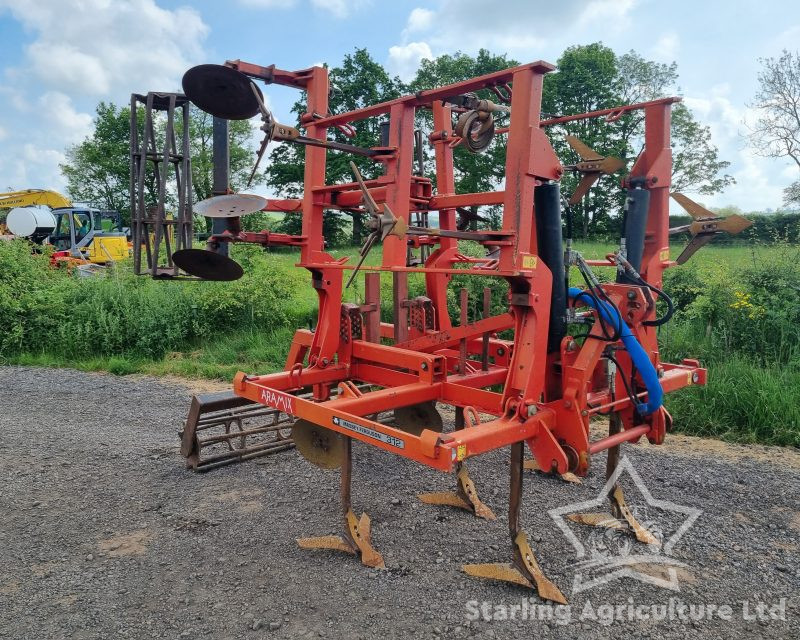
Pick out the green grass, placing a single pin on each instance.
(742, 403)
(738, 312)
(220, 359)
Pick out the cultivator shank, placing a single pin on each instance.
(515, 377)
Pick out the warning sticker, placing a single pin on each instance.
(529, 262)
(370, 433)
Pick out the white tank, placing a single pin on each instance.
(30, 222)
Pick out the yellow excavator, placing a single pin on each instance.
(76, 233)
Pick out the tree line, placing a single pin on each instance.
(589, 77)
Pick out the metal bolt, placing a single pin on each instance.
(584, 413)
(695, 377)
(501, 351)
(424, 366)
(325, 362)
(532, 410)
(567, 404)
(631, 295)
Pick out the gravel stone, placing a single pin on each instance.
(90, 470)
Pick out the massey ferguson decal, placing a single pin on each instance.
(278, 400)
(370, 433)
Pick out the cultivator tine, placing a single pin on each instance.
(357, 536)
(357, 540)
(503, 571)
(334, 543)
(544, 586)
(624, 519)
(464, 497)
(524, 570)
(361, 533)
(621, 516)
(532, 465)
(620, 508)
(223, 428)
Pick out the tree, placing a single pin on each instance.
(592, 77)
(695, 163)
(776, 133)
(98, 169)
(587, 80)
(358, 82)
(474, 172)
(695, 159)
(200, 144)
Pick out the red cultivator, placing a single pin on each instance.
(354, 376)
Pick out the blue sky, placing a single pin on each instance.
(58, 58)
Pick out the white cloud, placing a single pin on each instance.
(14, 97)
(57, 110)
(759, 181)
(420, 19)
(468, 25)
(269, 4)
(76, 53)
(666, 47)
(36, 167)
(786, 39)
(339, 8)
(105, 49)
(404, 60)
(614, 15)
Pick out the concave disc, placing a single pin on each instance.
(233, 205)
(417, 417)
(207, 265)
(221, 91)
(322, 447)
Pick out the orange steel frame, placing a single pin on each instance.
(546, 401)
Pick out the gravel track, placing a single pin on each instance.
(104, 534)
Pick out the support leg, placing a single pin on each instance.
(356, 537)
(523, 570)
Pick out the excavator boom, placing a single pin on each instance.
(32, 197)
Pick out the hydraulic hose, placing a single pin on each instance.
(655, 394)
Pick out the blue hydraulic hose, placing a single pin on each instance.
(655, 394)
